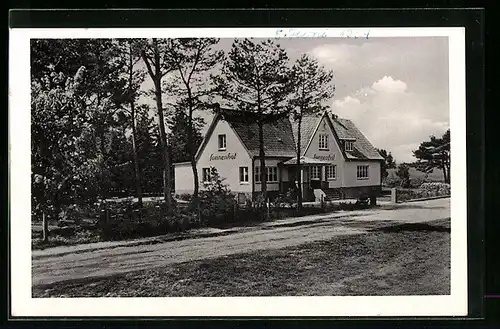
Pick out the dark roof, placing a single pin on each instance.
(309, 124)
(345, 130)
(278, 137)
(280, 134)
(362, 148)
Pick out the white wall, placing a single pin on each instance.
(183, 178)
(350, 171)
(227, 168)
(333, 154)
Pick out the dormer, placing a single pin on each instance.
(348, 144)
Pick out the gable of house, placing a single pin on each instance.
(328, 148)
(342, 129)
(209, 149)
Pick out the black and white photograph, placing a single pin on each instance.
(290, 163)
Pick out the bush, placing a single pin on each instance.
(403, 173)
(216, 202)
(431, 189)
(392, 181)
(184, 197)
(71, 213)
(435, 188)
(287, 199)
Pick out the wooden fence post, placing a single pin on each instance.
(393, 195)
(268, 210)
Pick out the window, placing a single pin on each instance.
(206, 174)
(323, 142)
(222, 142)
(257, 175)
(348, 145)
(331, 172)
(362, 172)
(272, 174)
(243, 174)
(271, 177)
(315, 172)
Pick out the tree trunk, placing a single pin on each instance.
(167, 178)
(191, 147)
(166, 157)
(263, 171)
(138, 189)
(445, 174)
(299, 168)
(45, 228)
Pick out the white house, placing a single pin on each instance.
(337, 161)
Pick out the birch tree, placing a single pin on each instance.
(192, 58)
(153, 55)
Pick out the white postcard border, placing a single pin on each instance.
(22, 303)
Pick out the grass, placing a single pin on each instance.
(409, 260)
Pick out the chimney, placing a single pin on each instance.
(334, 116)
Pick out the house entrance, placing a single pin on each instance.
(316, 174)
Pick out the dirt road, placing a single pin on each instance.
(52, 269)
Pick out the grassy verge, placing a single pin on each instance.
(405, 261)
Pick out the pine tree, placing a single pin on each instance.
(126, 99)
(435, 153)
(255, 79)
(312, 86)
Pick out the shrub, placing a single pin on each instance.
(286, 200)
(417, 181)
(184, 197)
(216, 202)
(435, 188)
(392, 181)
(71, 213)
(430, 189)
(403, 172)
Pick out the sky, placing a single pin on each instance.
(395, 90)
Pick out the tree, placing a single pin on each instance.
(72, 81)
(127, 98)
(149, 151)
(388, 163)
(96, 64)
(192, 58)
(256, 79)
(435, 153)
(179, 130)
(403, 173)
(311, 86)
(153, 55)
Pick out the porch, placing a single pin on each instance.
(314, 177)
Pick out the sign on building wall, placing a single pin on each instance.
(228, 156)
(329, 157)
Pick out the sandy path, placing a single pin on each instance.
(104, 262)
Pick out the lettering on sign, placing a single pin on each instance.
(228, 156)
(329, 157)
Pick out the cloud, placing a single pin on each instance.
(390, 85)
(392, 117)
